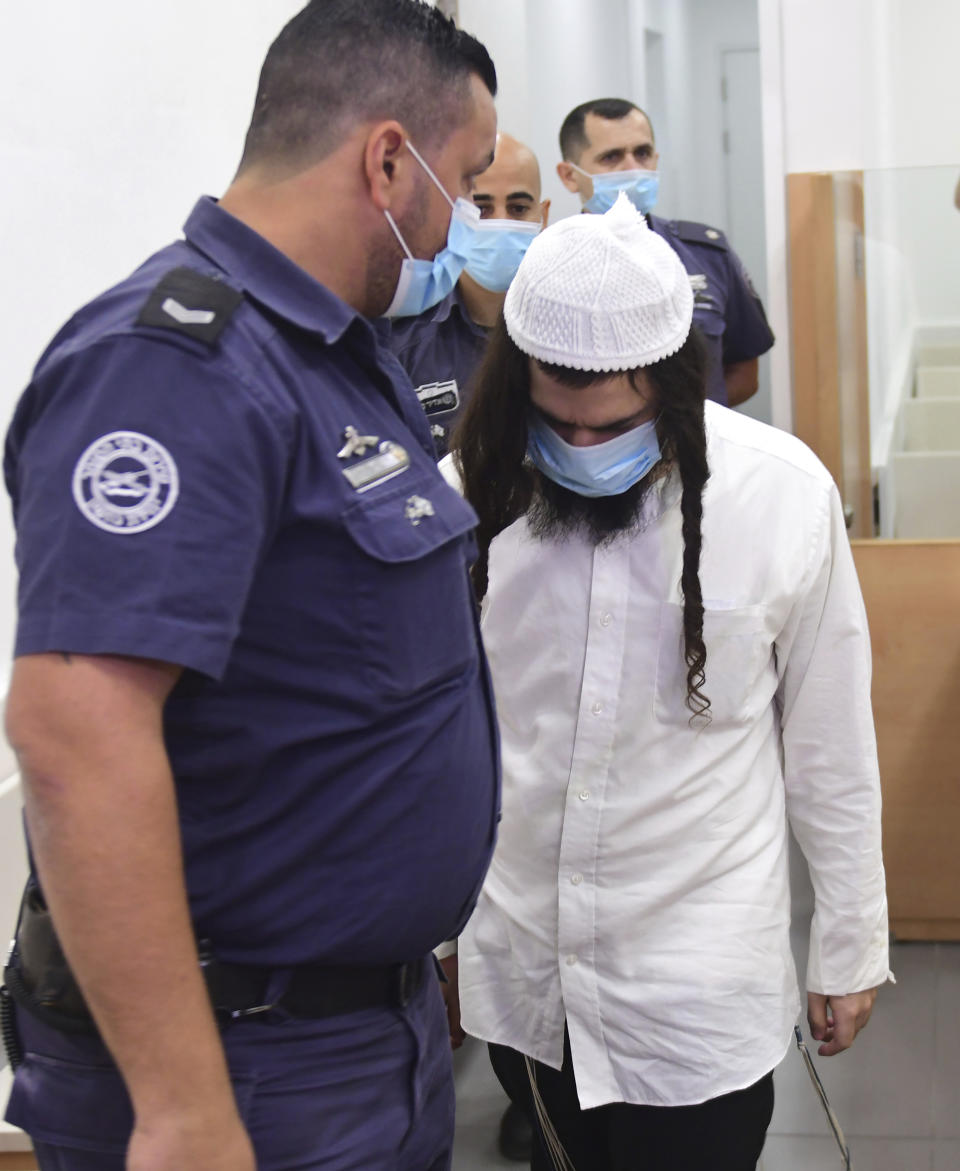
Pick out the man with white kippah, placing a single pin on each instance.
(681, 664)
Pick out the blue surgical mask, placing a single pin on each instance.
(602, 469)
(424, 283)
(641, 186)
(498, 248)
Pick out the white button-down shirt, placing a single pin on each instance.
(639, 891)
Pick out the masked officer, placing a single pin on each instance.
(608, 147)
(441, 348)
(230, 670)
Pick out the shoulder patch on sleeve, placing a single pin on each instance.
(694, 233)
(191, 302)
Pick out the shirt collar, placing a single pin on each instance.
(265, 273)
(454, 303)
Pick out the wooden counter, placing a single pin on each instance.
(912, 594)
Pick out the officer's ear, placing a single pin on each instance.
(388, 165)
(570, 178)
(544, 213)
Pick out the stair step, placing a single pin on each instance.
(931, 424)
(945, 354)
(926, 491)
(938, 381)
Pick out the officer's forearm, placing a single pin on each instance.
(741, 380)
(101, 811)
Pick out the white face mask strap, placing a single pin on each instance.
(586, 175)
(396, 232)
(423, 163)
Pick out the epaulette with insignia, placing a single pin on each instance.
(191, 302)
(693, 233)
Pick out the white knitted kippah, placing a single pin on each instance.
(600, 292)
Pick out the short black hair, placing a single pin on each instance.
(339, 62)
(573, 135)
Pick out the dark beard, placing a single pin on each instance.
(556, 513)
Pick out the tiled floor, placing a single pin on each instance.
(896, 1092)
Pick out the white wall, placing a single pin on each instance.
(712, 28)
(676, 128)
(922, 124)
(115, 117)
(870, 83)
(827, 81)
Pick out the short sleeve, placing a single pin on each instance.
(746, 333)
(147, 479)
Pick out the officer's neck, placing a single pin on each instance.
(482, 306)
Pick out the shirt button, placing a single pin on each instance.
(606, 619)
(584, 794)
(571, 960)
(576, 879)
(597, 709)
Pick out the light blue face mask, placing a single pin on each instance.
(424, 283)
(642, 188)
(603, 469)
(498, 248)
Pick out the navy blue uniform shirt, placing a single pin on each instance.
(440, 351)
(726, 307)
(218, 465)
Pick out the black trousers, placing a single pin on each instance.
(722, 1134)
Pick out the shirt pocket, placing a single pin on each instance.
(739, 651)
(416, 625)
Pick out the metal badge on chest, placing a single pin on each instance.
(389, 460)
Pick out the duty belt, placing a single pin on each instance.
(38, 978)
(312, 990)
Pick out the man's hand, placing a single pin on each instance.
(451, 998)
(836, 1020)
(192, 1141)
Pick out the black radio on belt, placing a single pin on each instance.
(37, 975)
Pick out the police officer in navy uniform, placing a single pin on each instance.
(608, 146)
(442, 348)
(259, 757)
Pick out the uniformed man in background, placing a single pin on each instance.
(441, 348)
(608, 146)
(231, 667)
